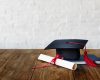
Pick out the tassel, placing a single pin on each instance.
(88, 61)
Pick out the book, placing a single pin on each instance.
(91, 56)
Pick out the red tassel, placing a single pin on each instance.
(88, 61)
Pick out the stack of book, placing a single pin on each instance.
(81, 60)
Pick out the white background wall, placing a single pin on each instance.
(35, 23)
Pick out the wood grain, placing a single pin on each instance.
(16, 64)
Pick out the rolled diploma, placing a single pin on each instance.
(59, 62)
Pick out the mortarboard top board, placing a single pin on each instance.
(69, 49)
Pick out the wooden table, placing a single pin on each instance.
(17, 64)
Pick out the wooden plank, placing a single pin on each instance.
(51, 73)
(85, 72)
(18, 66)
(80, 73)
(4, 57)
(57, 73)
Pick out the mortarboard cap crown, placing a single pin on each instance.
(69, 49)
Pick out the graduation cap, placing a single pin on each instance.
(69, 49)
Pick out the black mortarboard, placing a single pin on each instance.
(69, 49)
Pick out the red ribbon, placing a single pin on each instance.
(53, 61)
(55, 58)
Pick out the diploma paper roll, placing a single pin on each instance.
(59, 62)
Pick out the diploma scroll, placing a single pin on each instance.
(59, 62)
